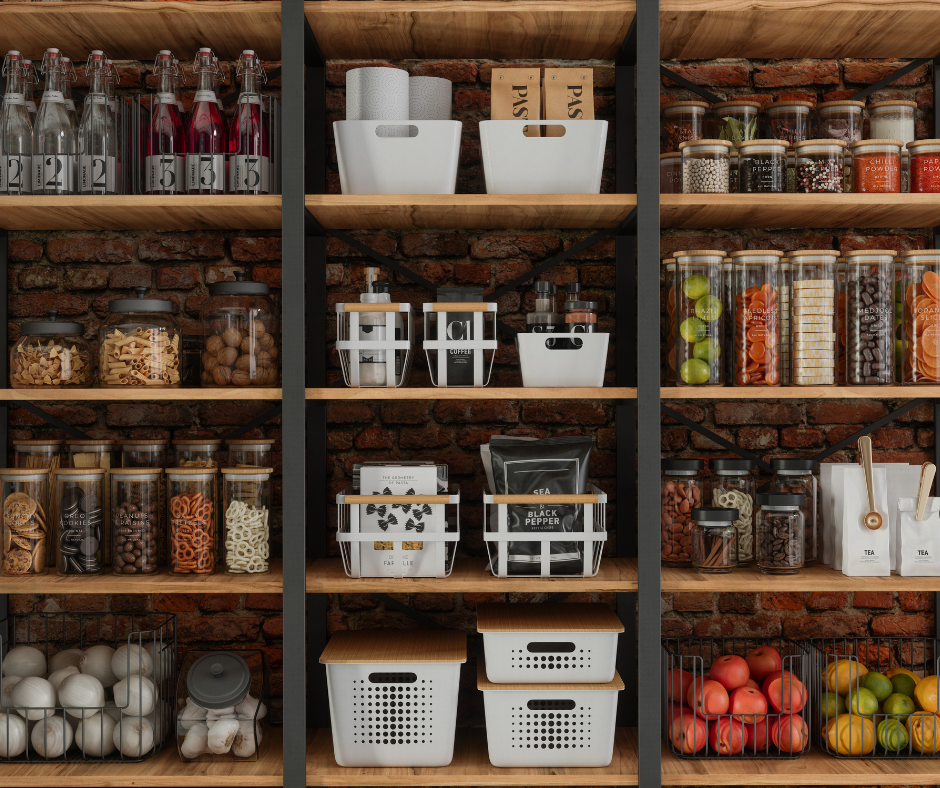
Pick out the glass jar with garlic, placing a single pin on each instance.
(240, 327)
(51, 352)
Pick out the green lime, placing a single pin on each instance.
(708, 308)
(879, 684)
(900, 705)
(831, 704)
(903, 684)
(707, 350)
(695, 286)
(692, 329)
(862, 702)
(892, 735)
(695, 372)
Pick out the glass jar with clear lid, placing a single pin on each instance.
(840, 120)
(732, 487)
(762, 166)
(755, 347)
(705, 167)
(920, 345)
(144, 453)
(869, 317)
(924, 166)
(785, 285)
(700, 318)
(198, 452)
(734, 121)
(790, 120)
(670, 173)
(38, 453)
(240, 329)
(27, 528)
(246, 529)
(90, 453)
(797, 475)
(668, 308)
(714, 540)
(139, 344)
(819, 166)
(80, 530)
(780, 537)
(681, 491)
(192, 516)
(813, 341)
(681, 121)
(136, 530)
(876, 166)
(51, 352)
(892, 120)
(250, 452)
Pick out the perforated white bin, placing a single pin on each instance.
(549, 725)
(562, 360)
(549, 643)
(393, 696)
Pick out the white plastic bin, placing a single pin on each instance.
(549, 643)
(415, 728)
(484, 341)
(516, 164)
(562, 360)
(549, 725)
(397, 352)
(423, 164)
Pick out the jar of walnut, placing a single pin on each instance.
(51, 352)
(241, 335)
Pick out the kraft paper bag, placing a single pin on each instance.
(865, 553)
(918, 541)
(515, 94)
(568, 94)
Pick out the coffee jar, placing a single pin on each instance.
(135, 520)
(795, 475)
(780, 537)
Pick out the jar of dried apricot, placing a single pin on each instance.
(756, 318)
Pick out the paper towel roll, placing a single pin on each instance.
(429, 98)
(378, 94)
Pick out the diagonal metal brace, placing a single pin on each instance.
(55, 422)
(705, 94)
(716, 438)
(868, 429)
(429, 622)
(883, 83)
(264, 417)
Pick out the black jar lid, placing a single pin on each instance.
(140, 304)
(52, 325)
(572, 288)
(682, 464)
(792, 464)
(543, 287)
(714, 514)
(581, 305)
(780, 499)
(218, 680)
(738, 464)
(239, 287)
(381, 286)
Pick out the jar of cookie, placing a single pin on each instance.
(135, 520)
(192, 515)
(26, 526)
(80, 535)
(246, 527)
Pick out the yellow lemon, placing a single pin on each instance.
(925, 732)
(843, 675)
(851, 735)
(926, 693)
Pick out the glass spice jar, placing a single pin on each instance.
(813, 348)
(762, 166)
(144, 453)
(734, 121)
(192, 519)
(840, 120)
(840, 319)
(789, 120)
(135, 520)
(714, 540)
(819, 166)
(26, 526)
(670, 173)
(51, 352)
(700, 318)
(668, 308)
(80, 532)
(246, 533)
(796, 475)
(869, 317)
(892, 120)
(681, 491)
(920, 343)
(250, 452)
(581, 317)
(681, 121)
(924, 166)
(876, 166)
(198, 452)
(756, 310)
(905, 171)
(732, 487)
(780, 535)
(734, 172)
(705, 167)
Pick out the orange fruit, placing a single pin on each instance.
(849, 734)
(895, 671)
(927, 693)
(932, 284)
(924, 729)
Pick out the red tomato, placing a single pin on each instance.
(727, 737)
(708, 698)
(746, 703)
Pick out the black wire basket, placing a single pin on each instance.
(837, 665)
(695, 656)
(55, 632)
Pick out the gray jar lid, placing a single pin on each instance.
(239, 287)
(52, 325)
(218, 680)
(140, 304)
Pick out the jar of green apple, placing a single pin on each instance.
(700, 318)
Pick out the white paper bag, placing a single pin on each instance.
(829, 489)
(835, 530)
(865, 553)
(918, 542)
(903, 480)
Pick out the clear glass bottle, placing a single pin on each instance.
(705, 167)
(55, 143)
(700, 318)
(164, 167)
(372, 326)
(797, 475)
(819, 166)
(205, 133)
(543, 319)
(68, 79)
(840, 120)
(714, 540)
(192, 515)
(869, 311)
(732, 487)
(790, 120)
(892, 120)
(16, 129)
(248, 138)
(670, 173)
(80, 530)
(780, 537)
(876, 166)
(924, 166)
(734, 121)
(31, 85)
(681, 491)
(250, 452)
(762, 166)
(756, 318)
(246, 532)
(136, 520)
(680, 122)
(813, 341)
(27, 528)
(581, 317)
(51, 353)
(97, 160)
(920, 350)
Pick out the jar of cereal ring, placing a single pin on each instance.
(246, 529)
(192, 514)
(795, 475)
(733, 488)
(681, 490)
(135, 520)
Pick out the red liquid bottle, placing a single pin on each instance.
(205, 132)
(166, 141)
(248, 145)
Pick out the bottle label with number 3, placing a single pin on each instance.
(205, 172)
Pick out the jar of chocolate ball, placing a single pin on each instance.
(869, 317)
(780, 537)
(681, 491)
(795, 475)
(80, 533)
(135, 520)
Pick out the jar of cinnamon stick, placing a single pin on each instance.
(714, 540)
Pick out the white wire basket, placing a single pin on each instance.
(419, 538)
(497, 536)
(562, 360)
(481, 350)
(395, 354)
(549, 725)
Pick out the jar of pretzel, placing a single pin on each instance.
(246, 528)
(192, 512)
(140, 343)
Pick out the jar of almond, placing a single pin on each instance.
(681, 491)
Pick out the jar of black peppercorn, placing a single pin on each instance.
(795, 475)
(762, 166)
(780, 536)
(819, 166)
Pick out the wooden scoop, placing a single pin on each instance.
(873, 521)
(927, 472)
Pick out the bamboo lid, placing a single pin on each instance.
(547, 617)
(135, 471)
(80, 472)
(197, 442)
(40, 442)
(748, 103)
(892, 103)
(483, 683)
(395, 645)
(146, 442)
(90, 442)
(250, 442)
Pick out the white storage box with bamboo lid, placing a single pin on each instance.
(549, 643)
(393, 696)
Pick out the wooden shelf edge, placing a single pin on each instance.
(138, 394)
(488, 392)
(799, 392)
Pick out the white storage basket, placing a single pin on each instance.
(516, 164)
(549, 643)
(497, 536)
(422, 668)
(549, 725)
(423, 164)
(484, 341)
(349, 345)
(562, 360)
(362, 557)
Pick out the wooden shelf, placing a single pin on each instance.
(698, 211)
(138, 211)
(137, 30)
(137, 394)
(161, 583)
(500, 29)
(470, 211)
(163, 769)
(327, 576)
(487, 392)
(471, 766)
(814, 768)
(704, 29)
(799, 392)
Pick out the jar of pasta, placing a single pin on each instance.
(192, 514)
(250, 452)
(198, 452)
(135, 520)
(732, 487)
(80, 534)
(246, 529)
(26, 526)
(51, 352)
